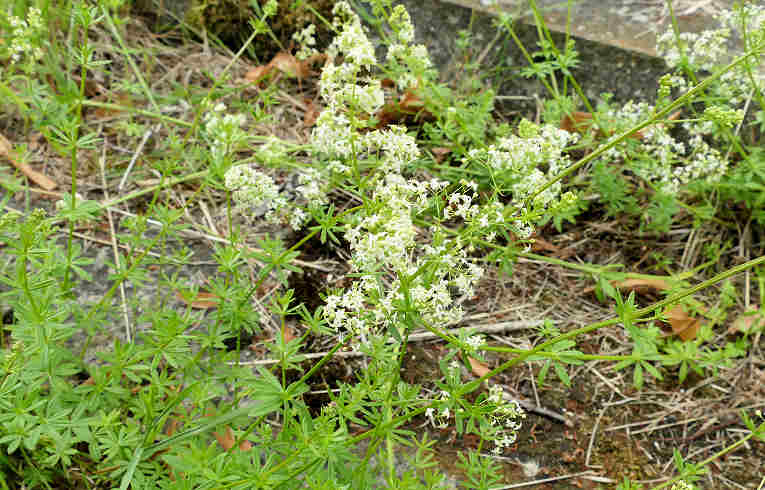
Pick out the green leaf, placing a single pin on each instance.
(652, 370)
(128, 476)
(543, 373)
(268, 391)
(560, 370)
(637, 377)
(257, 411)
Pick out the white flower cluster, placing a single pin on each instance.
(710, 50)
(338, 167)
(407, 61)
(252, 188)
(383, 240)
(393, 146)
(351, 42)
(312, 187)
(484, 220)
(525, 162)
(439, 418)
(682, 485)
(703, 51)
(333, 135)
(504, 418)
(660, 158)
(473, 342)
(307, 41)
(345, 84)
(352, 96)
(25, 35)
(705, 163)
(223, 131)
(64, 204)
(386, 234)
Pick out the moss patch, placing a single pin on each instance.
(229, 20)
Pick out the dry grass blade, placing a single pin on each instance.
(6, 150)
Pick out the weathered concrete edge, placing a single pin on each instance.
(614, 31)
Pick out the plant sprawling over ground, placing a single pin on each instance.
(404, 195)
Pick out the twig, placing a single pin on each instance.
(606, 381)
(208, 217)
(6, 150)
(544, 480)
(534, 385)
(115, 249)
(594, 432)
(146, 136)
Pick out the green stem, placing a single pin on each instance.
(129, 58)
(717, 455)
(134, 110)
(149, 190)
(595, 326)
(612, 321)
(73, 157)
(114, 287)
(691, 94)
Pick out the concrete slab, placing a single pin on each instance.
(626, 24)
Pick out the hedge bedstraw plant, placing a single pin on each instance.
(143, 415)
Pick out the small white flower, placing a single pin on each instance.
(307, 42)
(682, 485)
(474, 342)
(400, 21)
(26, 36)
(251, 187)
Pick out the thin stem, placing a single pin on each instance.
(691, 94)
(612, 321)
(717, 455)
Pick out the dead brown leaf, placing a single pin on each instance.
(258, 73)
(440, 152)
(582, 122)
(479, 368)
(203, 301)
(747, 321)
(6, 150)
(683, 325)
(172, 426)
(540, 244)
(641, 284)
(290, 66)
(576, 122)
(227, 440)
(311, 113)
(92, 87)
(119, 103)
(286, 63)
(409, 106)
